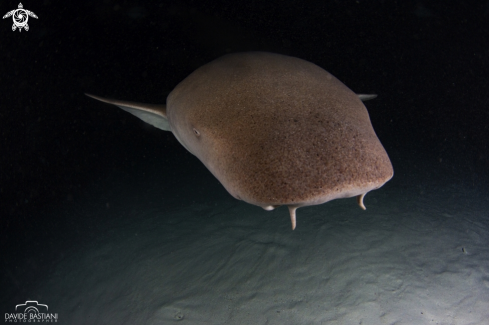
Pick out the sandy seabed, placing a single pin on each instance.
(418, 255)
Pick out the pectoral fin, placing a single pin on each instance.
(364, 97)
(149, 113)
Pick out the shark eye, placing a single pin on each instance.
(197, 133)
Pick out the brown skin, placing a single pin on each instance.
(274, 130)
(277, 130)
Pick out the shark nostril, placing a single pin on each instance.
(197, 133)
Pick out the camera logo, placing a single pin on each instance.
(33, 312)
(31, 306)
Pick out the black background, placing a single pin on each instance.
(427, 61)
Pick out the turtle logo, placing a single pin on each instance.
(20, 17)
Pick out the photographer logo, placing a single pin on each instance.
(31, 312)
(20, 17)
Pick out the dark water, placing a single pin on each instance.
(427, 61)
